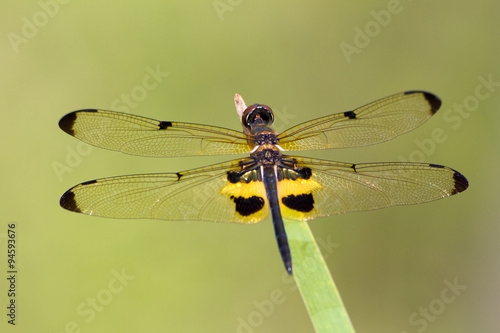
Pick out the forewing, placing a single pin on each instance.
(373, 123)
(142, 136)
(203, 194)
(337, 188)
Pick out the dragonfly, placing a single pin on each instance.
(247, 189)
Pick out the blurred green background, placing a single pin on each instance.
(393, 267)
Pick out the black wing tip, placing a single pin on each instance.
(461, 183)
(68, 201)
(66, 123)
(432, 99)
(434, 102)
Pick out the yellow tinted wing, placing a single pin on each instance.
(203, 194)
(142, 136)
(376, 122)
(335, 188)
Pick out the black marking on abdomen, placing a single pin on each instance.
(461, 183)
(350, 114)
(302, 202)
(68, 202)
(248, 206)
(164, 125)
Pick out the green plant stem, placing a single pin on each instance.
(321, 297)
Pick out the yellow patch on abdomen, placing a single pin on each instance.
(250, 200)
(299, 197)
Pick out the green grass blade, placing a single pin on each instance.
(321, 297)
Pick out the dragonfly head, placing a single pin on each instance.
(257, 116)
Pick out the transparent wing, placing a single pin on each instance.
(148, 137)
(338, 188)
(373, 123)
(203, 194)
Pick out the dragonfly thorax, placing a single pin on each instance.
(267, 154)
(266, 138)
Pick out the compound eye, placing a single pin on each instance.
(258, 115)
